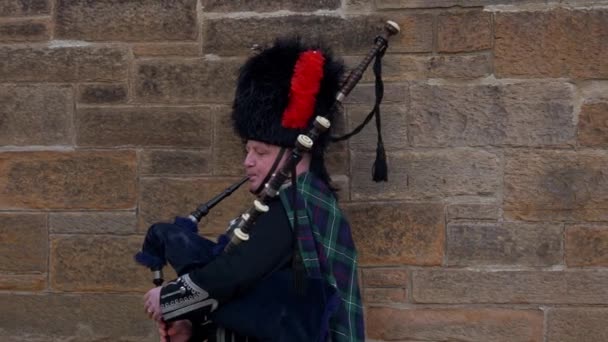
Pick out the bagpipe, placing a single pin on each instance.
(180, 245)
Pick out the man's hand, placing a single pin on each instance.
(178, 331)
(152, 304)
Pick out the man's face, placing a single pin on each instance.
(259, 160)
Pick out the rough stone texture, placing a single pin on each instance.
(525, 113)
(23, 243)
(268, 6)
(384, 277)
(540, 287)
(396, 234)
(143, 21)
(188, 127)
(467, 31)
(394, 128)
(93, 223)
(228, 148)
(424, 175)
(166, 49)
(383, 295)
(556, 185)
(459, 324)
(354, 35)
(396, 4)
(365, 94)
(507, 243)
(35, 115)
(587, 246)
(76, 266)
(67, 180)
(24, 31)
(75, 317)
(186, 81)
(40, 63)
(550, 44)
(577, 324)
(98, 93)
(175, 162)
(593, 125)
(473, 211)
(23, 282)
(163, 199)
(18, 8)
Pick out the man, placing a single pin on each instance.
(295, 278)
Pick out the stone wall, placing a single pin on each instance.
(493, 226)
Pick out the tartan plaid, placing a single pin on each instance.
(328, 252)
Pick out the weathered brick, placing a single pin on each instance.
(556, 185)
(93, 223)
(102, 93)
(75, 317)
(166, 49)
(402, 233)
(397, 4)
(23, 243)
(577, 324)
(150, 127)
(67, 180)
(456, 66)
(40, 63)
(18, 8)
(593, 125)
(394, 128)
(22, 282)
(144, 20)
(365, 94)
(336, 159)
(353, 35)
(423, 175)
(468, 31)
(587, 246)
(497, 287)
(460, 324)
(268, 6)
(383, 295)
(530, 114)
(229, 151)
(473, 211)
(175, 162)
(186, 81)
(24, 31)
(549, 44)
(506, 243)
(384, 277)
(36, 115)
(163, 199)
(76, 264)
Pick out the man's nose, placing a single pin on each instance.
(249, 160)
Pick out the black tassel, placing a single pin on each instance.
(380, 168)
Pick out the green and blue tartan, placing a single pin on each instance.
(328, 252)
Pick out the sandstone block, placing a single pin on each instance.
(530, 114)
(24, 31)
(506, 243)
(466, 31)
(229, 150)
(577, 324)
(23, 243)
(593, 125)
(36, 115)
(143, 21)
(23, 282)
(473, 211)
(186, 81)
(166, 49)
(384, 295)
(93, 223)
(102, 93)
(67, 180)
(398, 4)
(461, 324)
(548, 44)
(394, 128)
(19, 8)
(514, 287)
(188, 127)
(175, 162)
(97, 263)
(384, 277)
(38, 63)
(268, 6)
(424, 175)
(398, 234)
(556, 185)
(587, 246)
